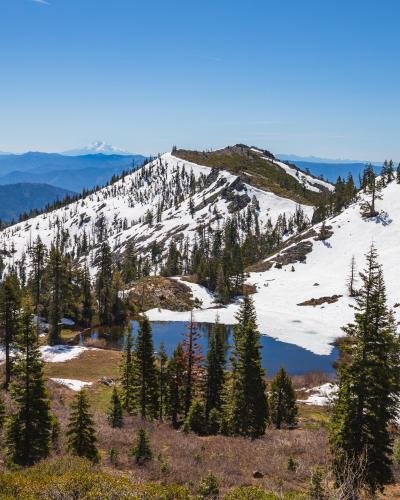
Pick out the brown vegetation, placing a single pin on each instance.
(322, 300)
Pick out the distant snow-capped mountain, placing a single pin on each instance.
(98, 147)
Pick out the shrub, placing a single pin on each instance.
(195, 420)
(208, 487)
(141, 450)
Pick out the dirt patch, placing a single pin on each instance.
(159, 292)
(321, 300)
(293, 254)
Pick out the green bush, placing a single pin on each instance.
(74, 477)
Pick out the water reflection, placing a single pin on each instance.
(296, 360)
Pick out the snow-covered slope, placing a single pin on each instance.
(324, 274)
(120, 212)
(96, 148)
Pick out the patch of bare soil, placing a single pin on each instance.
(321, 300)
(160, 292)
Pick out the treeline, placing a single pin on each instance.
(218, 257)
(346, 191)
(198, 393)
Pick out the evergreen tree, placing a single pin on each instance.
(145, 373)
(29, 428)
(87, 303)
(56, 267)
(369, 386)
(249, 404)
(194, 358)
(10, 303)
(115, 418)
(38, 255)
(282, 401)
(104, 285)
(195, 420)
(351, 282)
(81, 432)
(141, 450)
(127, 376)
(215, 364)
(162, 364)
(176, 384)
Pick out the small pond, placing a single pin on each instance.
(294, 359)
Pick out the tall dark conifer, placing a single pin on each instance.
(176, 385)
(369, 386)
(57, 273)
(282, 401)
(127, 396)
(194, 359)
(81, 432)
(215, 365)
(104, 284)
(163, 379)
(10, 303)
(29, 429)
(249, 404)
(145, 372)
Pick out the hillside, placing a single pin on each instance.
(167, 199)
(174, 199)
(283, 283)
(16, 199)
(260, 169)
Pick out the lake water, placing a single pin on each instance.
(275, 354)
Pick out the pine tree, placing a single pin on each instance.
(114, 416)
(141, 450)
(194, 358)
(38, 255)
(369, 386)
(249, 404)
(163, 380)
(127, 376)
(195, 420)
(176, 384)
(145, 373)
(87, 303)
(215, 364)
(352, 278)
(29, 428)
(104, 285)
(56, 266)
(81, 431)
(10, 302)
(282, 401)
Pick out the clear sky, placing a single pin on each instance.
(318, 77)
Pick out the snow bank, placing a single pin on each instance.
(61, 353)
(74, 385)
(321, 395)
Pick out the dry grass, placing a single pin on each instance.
(90, 366)
(186, 459)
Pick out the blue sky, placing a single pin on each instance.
(307, 77)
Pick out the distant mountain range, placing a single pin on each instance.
(73, 173)
(330, 169)
(16, 199)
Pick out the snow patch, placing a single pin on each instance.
(321, 395)
(74, 385)
(61, 353)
